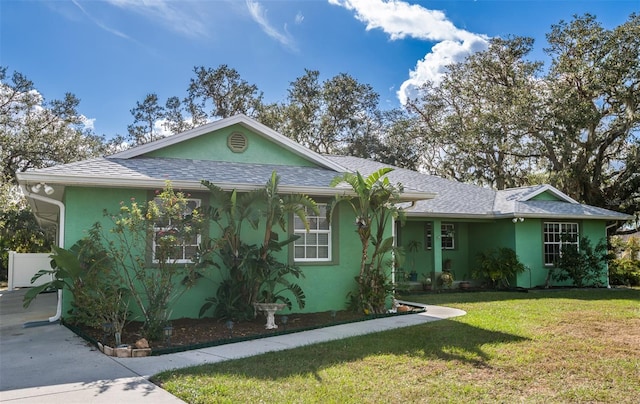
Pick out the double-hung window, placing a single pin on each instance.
(557, 235)
(448, 239)
(314, 245)
(447, 231)
(183, 245)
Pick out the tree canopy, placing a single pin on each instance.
(497, 119)
(34, 133)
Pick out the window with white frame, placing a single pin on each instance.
(448, 236)
(447, 231)
(557, 235)
(314, 245)
(187, 247)
(428, 235)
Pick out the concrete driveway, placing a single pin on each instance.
(49, 363)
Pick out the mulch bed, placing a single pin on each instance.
(194, 333)
(199, 333)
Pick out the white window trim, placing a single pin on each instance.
(157, 229)
(428, 235)
(452, 236)
(561, 243)
(328, 232)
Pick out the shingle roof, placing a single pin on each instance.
(455, 199)
(144, 168)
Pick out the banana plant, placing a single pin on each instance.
(67, 272)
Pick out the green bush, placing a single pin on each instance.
(584, 265)
(497, 266)
(625, 268)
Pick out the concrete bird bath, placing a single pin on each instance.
(270, 309)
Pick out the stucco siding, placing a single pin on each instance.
(213, 147)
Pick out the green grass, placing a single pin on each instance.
(568, 346)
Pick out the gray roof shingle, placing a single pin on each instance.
(454, 199)
(144, 168)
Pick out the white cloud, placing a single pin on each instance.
(299, 18)
(400, 19)
(185, 17)
(88, 123)
(434, 64)
(100, 23)
(259, 15)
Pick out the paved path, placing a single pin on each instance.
(51, 364)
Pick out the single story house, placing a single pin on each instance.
(450, 221)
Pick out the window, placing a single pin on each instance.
(428, 235)
(447, 230)
(187, 248)
(556, 235)
(448, 239)
(315, 244)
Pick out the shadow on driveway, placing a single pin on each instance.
(50, 363)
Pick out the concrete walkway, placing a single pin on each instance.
(51, 364)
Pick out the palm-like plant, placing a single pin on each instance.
(253, 271)
(373, 202)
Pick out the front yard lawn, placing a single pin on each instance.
(559, 346)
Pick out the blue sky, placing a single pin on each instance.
(111, 53)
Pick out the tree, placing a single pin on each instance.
(146, 115)
(35, 133)
(175, 121)
(325, 117)
(495, 120)
(477, 121)
(398, 141)
(592, 110)
(223, 93)
(374, 203)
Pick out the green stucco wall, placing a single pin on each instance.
(545, 196)
(473, 237)
(430, 261)
(326, 285)
(213, 146)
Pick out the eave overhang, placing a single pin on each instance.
(28, 179)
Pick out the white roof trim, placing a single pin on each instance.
(223, 123)
(553, 190)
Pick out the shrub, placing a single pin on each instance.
(154, 292)
(624, 269)
(584, 265)
(498, 266)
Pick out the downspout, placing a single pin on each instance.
(61, 207)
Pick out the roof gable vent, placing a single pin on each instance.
(237, 142)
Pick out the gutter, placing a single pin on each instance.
(62, 209)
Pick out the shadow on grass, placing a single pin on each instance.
(444, 340)
(480, 296)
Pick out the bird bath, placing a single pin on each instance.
(270, 309)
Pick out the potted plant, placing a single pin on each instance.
(426, 282)
(446, 279)
(413, 247)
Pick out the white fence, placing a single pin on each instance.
(23, 266)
